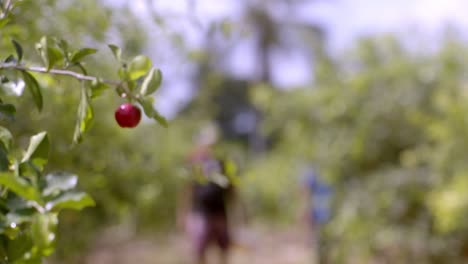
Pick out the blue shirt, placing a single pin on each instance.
(321, 194)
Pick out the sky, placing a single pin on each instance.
(350, 18)
(343, 20)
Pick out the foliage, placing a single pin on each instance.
(387, 127)
(31, 198)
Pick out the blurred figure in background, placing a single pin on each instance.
(317, 195)
(204, 212)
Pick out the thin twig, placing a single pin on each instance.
(73, 74)
(76, 75)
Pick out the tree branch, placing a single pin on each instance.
(73, 74)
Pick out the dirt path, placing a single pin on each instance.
(253, 247)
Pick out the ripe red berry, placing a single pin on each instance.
(128, 115)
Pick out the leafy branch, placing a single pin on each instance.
(138, 78)
(30, 197)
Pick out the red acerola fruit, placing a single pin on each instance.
(128, 115)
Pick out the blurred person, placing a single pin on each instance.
(204, 212)
(316, 213)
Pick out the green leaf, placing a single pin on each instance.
(12, 231)
(7, 111)
(151, 82)
(58, 182)
(34, 89)
(28, 170)
(54, 56)
(31, 258)
(70, 200)
(4, 161)
(43, 232)
(5, 145)
(84, 115)
(10, 58)
(150, 112)
(161, 119)
(116, 51)
(139, 67)
(3, 22)
(19, 50)
(6, 138)
(38, 150)
(3, 252)
(63, 45)
(41, 48)
(80, 54)
(82, 68)
(50, 55)
(97, 88)
(122, 72)
(17, 248)
(19, 186)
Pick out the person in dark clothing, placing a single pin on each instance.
(207, 218)
(209, 207)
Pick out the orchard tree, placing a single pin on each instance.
(31, 197)
(387, 128)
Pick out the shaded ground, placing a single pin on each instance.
(253, 246)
